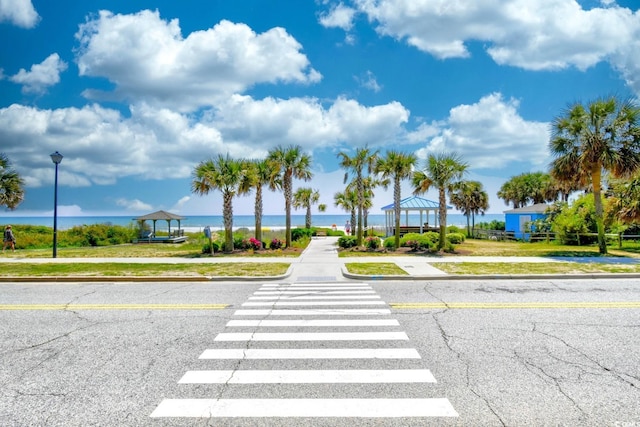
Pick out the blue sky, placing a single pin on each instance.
(135, 94)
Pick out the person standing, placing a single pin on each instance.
(347, 227)
(9, 239)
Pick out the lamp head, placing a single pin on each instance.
(56, 157)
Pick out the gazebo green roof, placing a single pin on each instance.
(414, 203)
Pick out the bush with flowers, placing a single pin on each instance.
(253, 243)
(276, 244)
(372, 242)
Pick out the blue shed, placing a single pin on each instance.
(516, 219)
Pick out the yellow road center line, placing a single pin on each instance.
(516, 305)
(113, 306)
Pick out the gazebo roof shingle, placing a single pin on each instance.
(168, 216)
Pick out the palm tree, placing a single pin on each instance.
(11, 184)
(625, 196)
(470, 199)
(370, 183)
(396, 166)
(304, 198)
(602, 137)
(288, 163)
(347, 200)
(363, 159)
(443, 171)
(225, 174)
(258, 175)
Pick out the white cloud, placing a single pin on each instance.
(369, 81)
(101, 146)
(340, 16)
(41, 76)
(490, 134)
(134, 205)
(262, 124)
(148, 59)
(535, 35)
(19, 12)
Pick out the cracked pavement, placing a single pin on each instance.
(498, 367)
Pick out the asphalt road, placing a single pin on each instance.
(511, 353)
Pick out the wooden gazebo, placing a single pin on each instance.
(178, 235)
(413, 204)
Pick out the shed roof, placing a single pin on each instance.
(415, 203)
(160, 215)
(538, 208)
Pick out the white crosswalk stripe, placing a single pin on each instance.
(299, 376)
(303, 343)
(313, 323)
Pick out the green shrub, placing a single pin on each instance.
(493, 225)
(454, 229)
(239, 241)
(420, 242)
(389, 243)
(32, 237)
(299, 233)
(96, 235)
(448, 247)
(455, 238)
(347, 241)
(578, 218)
(206, 249)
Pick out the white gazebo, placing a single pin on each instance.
(426, 208)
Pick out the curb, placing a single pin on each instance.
(345, 273)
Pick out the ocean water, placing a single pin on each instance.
(215, 222)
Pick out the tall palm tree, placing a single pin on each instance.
(11, 184)
(258, 175)
(347, 200)
(226, 175)
(586, 141)
(304, 198)
(470, 199)
(396, 166)
(362, 161)
(288, 163)
(442, 171)
(370, 184)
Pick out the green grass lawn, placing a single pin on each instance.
(112, 269)
(469, 248)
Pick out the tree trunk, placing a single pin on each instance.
(353, 221)
(596, 177)
(227, 216)
(307, 218)
(360, 206)
(288, 195)
(258, 213)
(473, 224)
(396, 211)
(443, 218)
(468, 227)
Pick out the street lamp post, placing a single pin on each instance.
(57, 158)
